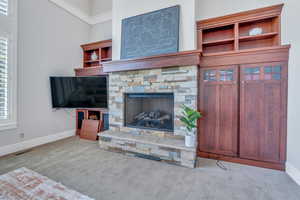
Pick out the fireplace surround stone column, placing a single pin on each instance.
(175, 74)
(182, 81)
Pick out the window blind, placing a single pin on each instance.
(3, 78)
(3, 7)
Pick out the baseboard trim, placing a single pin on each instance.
(268, 165)
(293, 172)
(21, 146)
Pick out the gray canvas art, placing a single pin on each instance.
(151, 34)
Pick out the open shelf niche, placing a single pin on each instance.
(232, 32)
(102, 50)
(94, 55)
(218, 39)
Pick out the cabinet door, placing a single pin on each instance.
(218, 101)
(263, 111)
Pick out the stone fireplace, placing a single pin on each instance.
(145, 106)
(181, 82)
(153, 111)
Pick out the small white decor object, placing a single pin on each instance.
(94, 56)
(255, 31)
(189, 118)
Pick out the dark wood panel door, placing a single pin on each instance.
(218, 100)
(263, 94)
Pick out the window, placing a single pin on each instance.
(4, 7)
(3, 79)
(8, 64)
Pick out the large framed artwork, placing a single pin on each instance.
(151, 34)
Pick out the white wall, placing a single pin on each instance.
(101, 31)
(290, 35)
(49, 41)
(128, 8)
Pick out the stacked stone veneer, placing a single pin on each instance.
(182, 81)
(155, 145)
(169, 150)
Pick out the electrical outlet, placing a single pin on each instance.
(22, 135)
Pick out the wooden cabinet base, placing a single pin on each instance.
(90, 129)
(268, 165)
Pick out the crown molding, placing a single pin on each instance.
(104, 17)
(72, 10)
(91, 20)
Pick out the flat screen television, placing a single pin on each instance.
(79, 92)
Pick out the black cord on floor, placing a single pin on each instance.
(221, 165)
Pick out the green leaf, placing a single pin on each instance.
(190, 117)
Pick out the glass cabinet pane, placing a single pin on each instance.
(226, 75)
(276, 76)
(252, 73)
(268, 70)
(272, 73)
(277, 69)
(210, 75)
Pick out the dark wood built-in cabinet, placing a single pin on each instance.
(243, 89)
(245, 111)
(263, 92)
(91, 114)
(92, 67)
(102, 49)
(219, 103)
(232, 32)
(91, 121)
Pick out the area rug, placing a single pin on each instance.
(24, 184)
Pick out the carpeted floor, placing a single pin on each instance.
(81, 166)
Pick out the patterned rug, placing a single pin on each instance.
(24, 184)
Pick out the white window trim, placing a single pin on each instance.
(7, 11)
(11, 123)
(11, 35)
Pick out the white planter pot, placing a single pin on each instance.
(190, 140)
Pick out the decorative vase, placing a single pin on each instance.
(94, 56)
(255, 31)
(190, 139)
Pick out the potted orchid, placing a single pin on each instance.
(189, 118)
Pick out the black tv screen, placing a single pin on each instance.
(79, 92)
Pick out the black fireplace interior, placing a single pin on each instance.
(153, 111)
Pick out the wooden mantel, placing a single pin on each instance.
(185, 58)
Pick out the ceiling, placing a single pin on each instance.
(89, 11)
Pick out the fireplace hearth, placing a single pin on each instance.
(153, 111)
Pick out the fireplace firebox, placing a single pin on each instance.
(153, 111)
